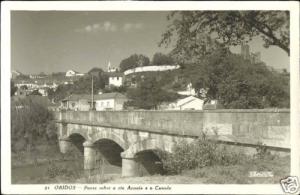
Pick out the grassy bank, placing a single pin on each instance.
(46, 164)
(231, 174)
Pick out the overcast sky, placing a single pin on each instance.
(53, 41)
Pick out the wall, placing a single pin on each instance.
(102, 104)
(151, 68)
(116, 81)
(271, 127)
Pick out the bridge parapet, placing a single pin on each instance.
(271, 127)
(135, 132)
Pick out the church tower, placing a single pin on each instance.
(108, 66)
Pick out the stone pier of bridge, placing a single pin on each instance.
(125, 137)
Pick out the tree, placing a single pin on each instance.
(134, 61)
(162, 59)
(237, 83)
(31, 124)
(95, 71)
(149, 94)
(13, 88)
(226, 28)
(100, 78)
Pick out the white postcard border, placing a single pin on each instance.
(6, 7)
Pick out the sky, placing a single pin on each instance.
(57, 41)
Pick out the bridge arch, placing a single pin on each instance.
(77, 139)
(145, 153)
(109, 136)
(109, 151)
(148, 145)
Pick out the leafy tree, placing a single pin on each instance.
(134, 61)
(61, 92)
(13, 88)
(100, 78)
(237, 83)
(30, 124)
(149, 94)
(95, 71)
(227, 28)
(162, 59)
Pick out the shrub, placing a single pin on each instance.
(262, 152)
(53, 170)
(198, 154)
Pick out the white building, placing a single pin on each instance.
(189, 90)
(72, 73)
(151, 69)
(115, 79)
(188, 103)
(110, 101)
(105, 101)
(110, 68)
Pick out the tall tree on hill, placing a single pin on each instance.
(237, 83)
(149, 94)
(162, 59)
(133, 61)
(190, 29)
(100, 78)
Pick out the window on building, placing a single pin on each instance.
(102, 104)
(107, 105)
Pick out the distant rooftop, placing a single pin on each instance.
(76, 97)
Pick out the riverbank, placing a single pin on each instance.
(43, 153)
(256, 171)
(47, 165)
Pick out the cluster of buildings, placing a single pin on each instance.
(116, 101)
(105, 101)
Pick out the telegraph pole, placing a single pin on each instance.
(92, 103)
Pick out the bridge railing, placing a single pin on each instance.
(247, 126)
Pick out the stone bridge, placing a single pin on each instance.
(130, 138)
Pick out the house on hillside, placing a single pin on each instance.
(110, 101)
(187, 103)
(115, 79)
(77, 102)
(190, 91)
(105, 101)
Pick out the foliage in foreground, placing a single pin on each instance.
(206, 153)
(31, 124)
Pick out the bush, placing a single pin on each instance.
(197, 154)
(53, 170)
(262, 152)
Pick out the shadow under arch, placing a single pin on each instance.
(147, 153)
(149, 162)
(77, 140)
(110, 151)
